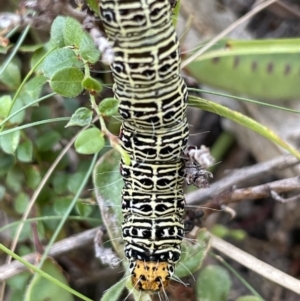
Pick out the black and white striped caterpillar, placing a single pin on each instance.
(153, 102)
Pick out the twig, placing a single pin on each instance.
(240, 176)
(292, 9)
(262, 191)
(64, 246)
(106, 255)
(188, 10)
(256, 265)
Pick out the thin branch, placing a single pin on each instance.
(240, 176)
(262, 191)
(256, 265)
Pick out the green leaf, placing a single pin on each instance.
(59, 59)
(11, 76)
(47, 141)
(33, 88)
(4, 50)
(193, 254)
(109, 106)
(75, 180)
(26, 233)
(20, 116)
(264, 69)
(244, 120)
(14, 179)
(10, 142)
(60, 181)
(82, 117)
(108, 184)
(83, 209)
(6, 162)
(91, 84)
(175, 15)
(249, 298)
(89, 141)
(36, 57)
(61, 205)
(57, 30)
(238, 234)
(67, 82)
(16, 295)
(220, 230)
(114, 292)
(94, 6)
(73, 32)
(33, 176)
(5, 103)
(87, 49)
(41, 289)
(19, 282)
(41, 113)
(24, 250)
(213, 284)
(2, 192)
(24, 151)
(21, 202)
(31, 48)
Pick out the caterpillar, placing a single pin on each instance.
(152, 103)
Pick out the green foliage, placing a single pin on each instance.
(109, 196)
(81, 117)
(109, 106)
(41, 289)
(213, 284)
(114, 292)
(89, 142)
(27, 152)
(222, 232)
(243, 120)
(11, 76)
(94, 6)
(264, 69)
(67, 82)
(59, 59)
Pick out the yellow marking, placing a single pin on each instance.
(150, 276)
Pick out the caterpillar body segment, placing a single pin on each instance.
(153, 102)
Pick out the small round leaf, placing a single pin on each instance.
(84, 209)
(108, 106)
(67, 82)
(59, 59)
(82, 117)
(73, 32)
(91, 84)
(213, 284)
(24, 151)
(90, 141)
(87, 49)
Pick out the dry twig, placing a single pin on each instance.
(256, 265)
(239, 177)
(262, 191)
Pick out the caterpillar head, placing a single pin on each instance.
(151, 276)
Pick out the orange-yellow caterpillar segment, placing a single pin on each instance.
(150, 276)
